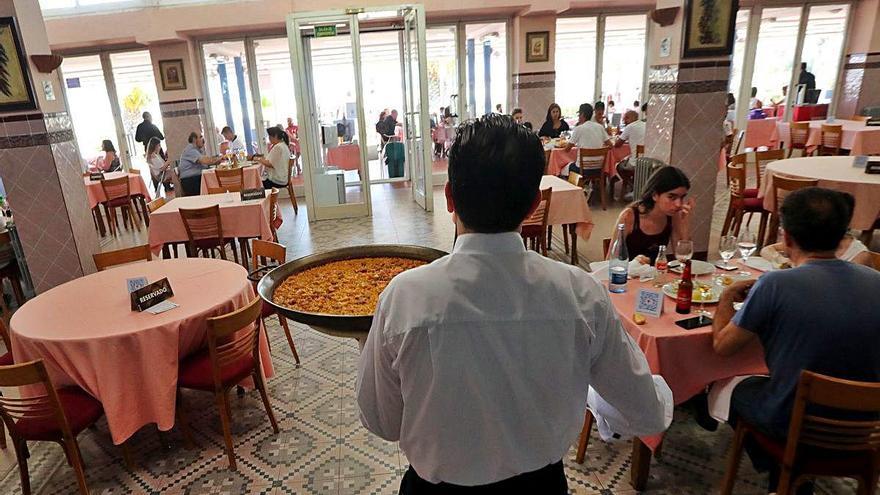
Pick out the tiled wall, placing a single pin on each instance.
(686, 109)
(861, 83)
(179, 118)
(39, 164)
(534, 92)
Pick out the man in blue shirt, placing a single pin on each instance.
(822, 315)
(192, 162)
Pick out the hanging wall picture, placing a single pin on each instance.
(709, 27)
(16, 92)
(172, 74)
(538, 46)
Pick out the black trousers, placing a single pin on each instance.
(268, 184)
(549, 480)
(191, 185)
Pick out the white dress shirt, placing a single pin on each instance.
(634, 134)
(479, 363)
(237, 144)
(589, 135)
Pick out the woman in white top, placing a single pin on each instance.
(158, 166)
(277, 162)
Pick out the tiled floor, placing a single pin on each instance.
(322, 448)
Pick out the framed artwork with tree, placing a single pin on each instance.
(709, 27)
(16, 92)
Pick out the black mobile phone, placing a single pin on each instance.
(695, 322)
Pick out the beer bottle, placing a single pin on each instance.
(685, 291)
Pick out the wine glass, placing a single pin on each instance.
(684, 250)
(747, 246)
(727, 248)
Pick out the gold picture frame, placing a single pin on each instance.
(16, 92)
(172, 74)
(709, 27)
(538, 46)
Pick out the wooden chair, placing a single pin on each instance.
(818, 445)
(742, 160)
(290, 192)
(57, 416)
(640, 150)
(534, 228)
(739, 203)
(155, 204)
(233, 354)
(139, 201)
(231, 180)
(740, 136)
(800, 134)
(592, 164)
(584, 438)
(264, 251)
(781, 187)
(274, 215)
(118, 194)
(762, 158)
(9, 268)
(122, 256)
(175, 179)
(205, 232)
(832, 136)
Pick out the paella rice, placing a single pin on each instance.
(347, 287)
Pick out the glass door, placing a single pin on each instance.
(486, 55)
(89, 103)
(416, 103)
(229, 94)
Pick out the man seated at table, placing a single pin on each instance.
(192, 162)
(233, 143)
(480, 362)
(586, 134)
(821, 315)
(633, 134)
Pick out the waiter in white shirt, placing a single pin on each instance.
(479, 363)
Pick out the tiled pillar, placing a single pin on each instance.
(861, 83)
(179, 118)
(534, 92)
(686, 109)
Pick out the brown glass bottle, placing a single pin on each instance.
(685, 291)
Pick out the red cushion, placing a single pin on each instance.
(6, 359)
(195, 371)
(211, 243)
(755, 205)
(750, 193)
(81, 409)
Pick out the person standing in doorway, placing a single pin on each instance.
(147, 130)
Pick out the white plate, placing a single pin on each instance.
(671, 290)
(759, 263)
(697, 268)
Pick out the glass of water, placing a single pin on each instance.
(727, 249)
(747, 245)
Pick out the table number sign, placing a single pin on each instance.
(151, 295)
(251, 194)
(96, 176)
(649, 302)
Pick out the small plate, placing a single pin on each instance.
(759, 263)
(671, 290)
(697, 268)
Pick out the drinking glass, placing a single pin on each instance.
(684, 250)
(727, 248)
(747, 246)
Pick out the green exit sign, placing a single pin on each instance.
(325, 31)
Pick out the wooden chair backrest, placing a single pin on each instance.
(44, 407)
(800, 132)
(202, 223)
(234, 336)
(875, 260)
(828, 433)
(739, 160)
(640, 150)
(155, 204)
(606, 245)
(784, 185)
(592, 158)
(540, 215)
(576, 179)
(116, 188)
(175, 179)
(218, 190)
(263, 251)
(762, 158)
(4, 334)
(832, 135)
(230, 178)
(736, 180)
(122, 256)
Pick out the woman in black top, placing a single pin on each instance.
(554, 125)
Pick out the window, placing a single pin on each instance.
(575, 62)
(823, 44)
(623, 57)
(777, 40)
(229, 91)
(486, 47)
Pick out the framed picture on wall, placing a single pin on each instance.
(173, 77)
(709, 27)
(538, 46)
(16, 92)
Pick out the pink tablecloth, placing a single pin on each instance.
(833, 172)
(560, 158)
(239, 219)
(761, 132)
(858, 138)
(128, 360)
(568, 206)
(345, 156)
(96, 194)
(251, 178)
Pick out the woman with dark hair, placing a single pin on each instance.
(659, 216)
(277, 162)
(111, 160)
(158, 166)
(553, 125)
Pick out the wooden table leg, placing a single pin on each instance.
(641, 465)
(100, 218)
(574, 243)
(166, 253)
